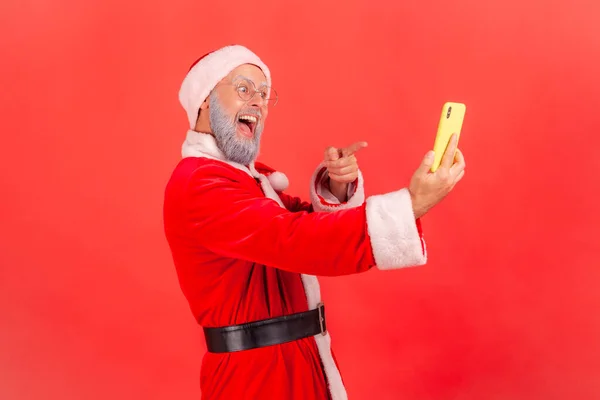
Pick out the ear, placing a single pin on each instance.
(204, 105)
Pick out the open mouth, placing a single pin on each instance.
(247, 125)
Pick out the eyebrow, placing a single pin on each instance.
(248, 79)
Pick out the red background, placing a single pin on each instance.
(507, 307)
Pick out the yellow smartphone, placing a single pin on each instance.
(451, 121)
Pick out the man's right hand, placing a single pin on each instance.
(426, 188)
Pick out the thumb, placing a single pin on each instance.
(332, 154)
(426, 163)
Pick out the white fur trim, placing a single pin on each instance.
(199, 144)
(279, 181)
(323, 200)
(336, 385)
(266, 186)
(393, 231)
(204, 145)
(204, 76)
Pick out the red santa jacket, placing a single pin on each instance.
(245, 251)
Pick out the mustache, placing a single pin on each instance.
(249, 111)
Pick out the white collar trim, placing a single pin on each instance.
(198, 144)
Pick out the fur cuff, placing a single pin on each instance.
(395, 234)
(323, 200)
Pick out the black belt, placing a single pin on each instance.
(266, 332)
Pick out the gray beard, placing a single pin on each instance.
(236, 149)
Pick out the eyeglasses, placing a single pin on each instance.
(246, 90)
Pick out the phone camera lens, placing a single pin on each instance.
(448, 113)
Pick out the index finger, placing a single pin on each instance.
(448, 157)
(353, 148)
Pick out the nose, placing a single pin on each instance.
(259, 104)
(257, 101)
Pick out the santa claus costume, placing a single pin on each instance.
(246, 252)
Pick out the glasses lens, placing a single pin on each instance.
(270, 95)
(245, 90)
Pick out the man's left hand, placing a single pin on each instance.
(342, 168)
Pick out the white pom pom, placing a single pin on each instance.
(278, 181)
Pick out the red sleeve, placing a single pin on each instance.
(295, 204)
(235, 220)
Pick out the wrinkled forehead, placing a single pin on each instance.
(247, 72)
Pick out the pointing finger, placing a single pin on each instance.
(353, 148)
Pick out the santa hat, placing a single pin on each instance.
(208, 70)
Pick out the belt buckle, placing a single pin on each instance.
(321, 308)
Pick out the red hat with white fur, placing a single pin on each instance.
(205, 73)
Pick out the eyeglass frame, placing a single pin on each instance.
(254, 90)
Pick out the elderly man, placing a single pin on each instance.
(247, 254)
